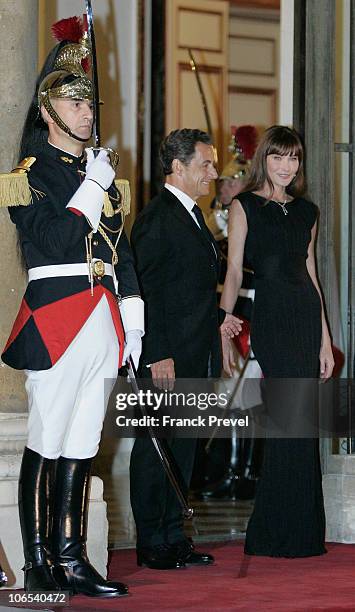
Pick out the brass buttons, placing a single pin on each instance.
(99, 268)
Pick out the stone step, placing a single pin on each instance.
(8, 492)
(11, 557)
(15, 407)
(13, 432)
(14, 425)
(10, 463)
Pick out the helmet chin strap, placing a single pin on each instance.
(60, 123)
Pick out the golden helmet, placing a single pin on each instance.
(243, 145)
(67, 77)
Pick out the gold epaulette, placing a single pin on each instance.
(124, 203)
(125, 191)
(14, 187)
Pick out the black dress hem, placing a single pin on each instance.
(310, 553)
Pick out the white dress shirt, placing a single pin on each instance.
(185, 200)
(188, 203)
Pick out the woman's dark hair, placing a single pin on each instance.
(277, 140)
(35, 130)
(181, 144)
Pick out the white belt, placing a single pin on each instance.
(76, 269)
(247, 293)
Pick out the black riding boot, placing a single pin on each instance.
(35, 501)
(72, 568)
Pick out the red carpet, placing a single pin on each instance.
(234, 583)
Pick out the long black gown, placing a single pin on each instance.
(288, 518)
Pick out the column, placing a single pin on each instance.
(18, 69)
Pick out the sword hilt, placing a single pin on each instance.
(113, 155)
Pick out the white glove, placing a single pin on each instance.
(133, 346)
(99, 169)
(89, 197)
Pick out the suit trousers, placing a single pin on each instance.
(156, 508)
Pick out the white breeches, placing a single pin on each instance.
(67, 403)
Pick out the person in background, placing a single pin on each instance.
(228, 470)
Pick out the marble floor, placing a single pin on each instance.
(213, 520)
(218, 520)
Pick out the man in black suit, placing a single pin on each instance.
(177, 265)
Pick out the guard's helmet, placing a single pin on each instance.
(243, 145)
(66, 76)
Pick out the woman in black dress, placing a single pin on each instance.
(274, 227)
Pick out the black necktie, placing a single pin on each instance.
(201, 221)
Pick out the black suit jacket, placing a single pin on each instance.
(177, 270)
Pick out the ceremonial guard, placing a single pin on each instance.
(216, 476)
(69, 335)
(231, 182)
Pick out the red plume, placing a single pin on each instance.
(246, 137)
(71, 29)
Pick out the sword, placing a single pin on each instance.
(196, 72)
(96, 133)
(95, 80)
(163, 450)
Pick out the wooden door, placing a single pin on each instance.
(202, 26)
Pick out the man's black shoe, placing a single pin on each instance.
(160, 557)
(185, 550)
